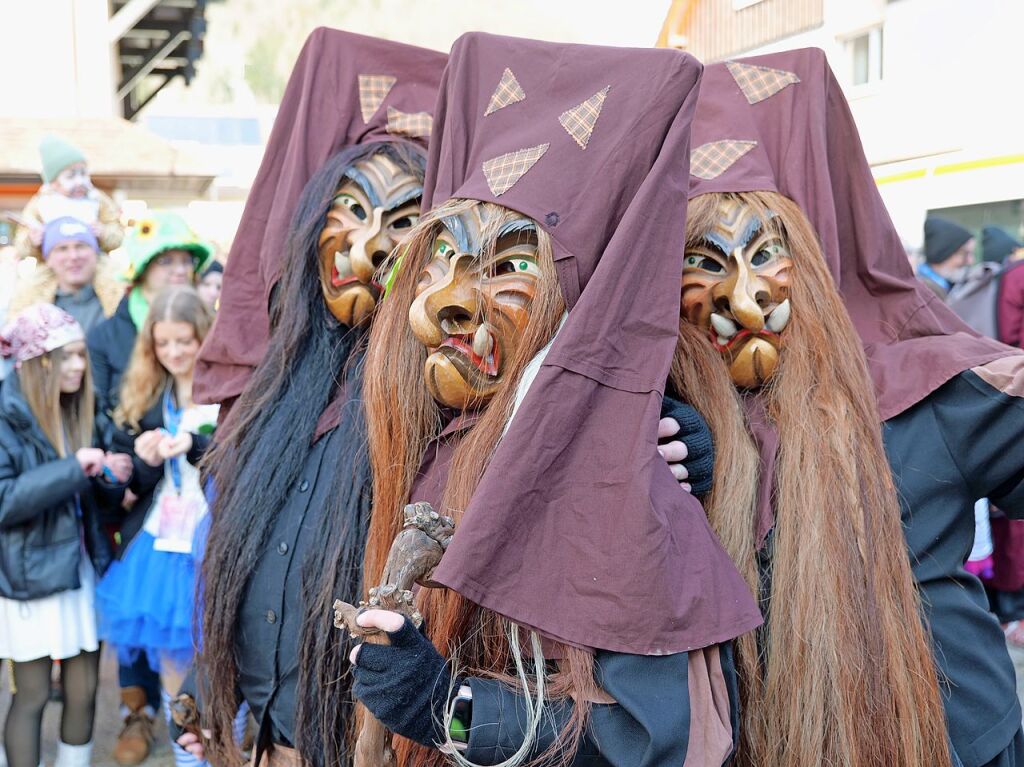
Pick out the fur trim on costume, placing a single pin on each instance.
(41, 287)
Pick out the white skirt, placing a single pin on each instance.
(59, 626)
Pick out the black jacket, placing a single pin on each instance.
(40, 532)
(961, 443)
(145, 478)
(110, 348)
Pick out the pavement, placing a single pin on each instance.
(108, 722)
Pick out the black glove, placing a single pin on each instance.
(694, 431)
(406, 685)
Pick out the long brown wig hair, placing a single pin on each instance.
(842, 673)
(402, 418)
(145, 378)
(67, 420)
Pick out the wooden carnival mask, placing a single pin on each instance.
(375, 207)
(736, 284)
(472, 304)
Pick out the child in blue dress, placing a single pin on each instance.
(147, 599)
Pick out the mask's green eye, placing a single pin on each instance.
(352, 204)
(443, 250)
(703, 262)
(766, 254)
(405, 222)
(517, 265)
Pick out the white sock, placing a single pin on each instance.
(73, 756)
(241, 720)
(147, 710)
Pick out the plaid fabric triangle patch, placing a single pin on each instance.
(711, 160)
(373, 89)
(414, 124)
(503, 172)
(508, 92)
(759, 83)
(579, 121)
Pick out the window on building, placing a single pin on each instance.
(864, 52)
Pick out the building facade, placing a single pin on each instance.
(932, 85)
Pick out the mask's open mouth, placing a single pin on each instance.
(726, 334)
(342, 274)
(741, 337)
(460, 349)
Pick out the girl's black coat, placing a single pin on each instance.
(40, 530)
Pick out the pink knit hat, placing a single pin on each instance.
(39, 329)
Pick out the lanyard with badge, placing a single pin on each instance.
(179, 510)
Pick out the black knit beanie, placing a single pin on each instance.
(996, 244)
(942, 238)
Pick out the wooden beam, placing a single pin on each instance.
(134, 109)
(147, 66)
(126, 18)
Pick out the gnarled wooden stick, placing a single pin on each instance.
(414, 555)
(185, 714)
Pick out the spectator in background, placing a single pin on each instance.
(164, 251)
(53, 482)
(210, 283)
(146, 600)
(1001, 247)
(948, 248)
(75, 276)
(67, 190)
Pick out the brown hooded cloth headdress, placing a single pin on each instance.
(780, 123)
(346, 89)
(577, 528)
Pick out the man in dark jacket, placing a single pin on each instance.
(948, 248)
(74, 276)
(1000, 247)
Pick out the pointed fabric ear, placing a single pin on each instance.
(579, 121)
(504, 171)
(760, 83)
(711, 160)
(373, 89)
(416, 124)
(508, 92)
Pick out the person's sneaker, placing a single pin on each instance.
(136, 738)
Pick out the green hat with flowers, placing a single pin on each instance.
(159, 232)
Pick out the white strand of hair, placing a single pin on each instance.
(534, 707)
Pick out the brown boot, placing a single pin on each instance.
(136, 738)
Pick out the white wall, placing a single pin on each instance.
(949, 96)
(56, 58)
